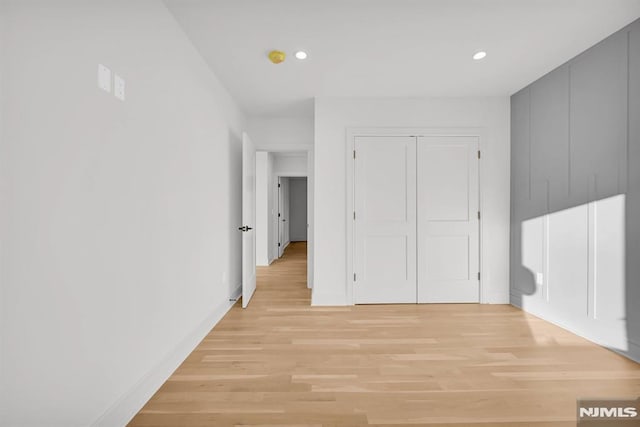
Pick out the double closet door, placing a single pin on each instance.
(416, 221)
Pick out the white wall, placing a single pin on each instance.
(575, 260)
(333, 116)
(281, 133)
(310, 202)
(290, 164)
(116, 256)
(263, 196)
(272, 206)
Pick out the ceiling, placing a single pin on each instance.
(398, 48)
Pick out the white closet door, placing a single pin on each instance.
(385, 220)
(448, 228)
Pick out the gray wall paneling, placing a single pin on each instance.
(575, 154)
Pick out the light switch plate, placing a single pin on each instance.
(104, 78)
(118, 87)
(539, 279)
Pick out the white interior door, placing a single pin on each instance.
(280, 229)
(248, 219)
(448, 224)
(286, 239)
(284, 226)
(285, 215)
(282, 216)
(385, 220)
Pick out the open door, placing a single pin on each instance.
(283, 214)
(248, 219)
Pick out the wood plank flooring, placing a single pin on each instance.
(281, 362)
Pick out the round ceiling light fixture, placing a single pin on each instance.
(277, 56)
(301, 54)
(479, 55)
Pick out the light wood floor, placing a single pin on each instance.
(281, 362)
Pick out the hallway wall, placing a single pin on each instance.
(265, 253)
(290, 163)
(120, 247)
(282, 133)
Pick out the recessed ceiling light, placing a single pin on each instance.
(301, 54)
(479, 55)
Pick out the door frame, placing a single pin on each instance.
(351, 134)
(277, 190)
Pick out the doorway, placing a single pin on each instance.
(284, 205)
(292, 211)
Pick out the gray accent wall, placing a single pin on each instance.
(575, 194)
(633, 193)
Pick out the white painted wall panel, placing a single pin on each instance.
(579, 255)
(567, 246)
(531, 271)
(608, 240)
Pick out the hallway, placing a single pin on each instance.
(281, 362)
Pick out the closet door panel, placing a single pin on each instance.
(385, 220)
(448, 228)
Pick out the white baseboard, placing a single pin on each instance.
(318, 299)
(633, 351)
(125, 408)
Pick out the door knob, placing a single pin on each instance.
(245, 228)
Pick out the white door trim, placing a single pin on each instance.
(351, 133)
